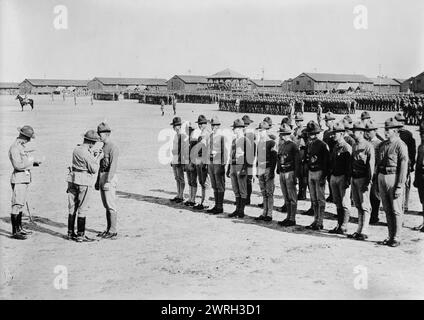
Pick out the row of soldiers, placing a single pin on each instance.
(352, 158)
(91, 165)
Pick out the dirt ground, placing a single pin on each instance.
(166, 251)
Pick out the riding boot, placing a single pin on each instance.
(235, 212)
(81, 237)
(20, 227)
(220, 208)
(71, 227)
(241, 208)
(215, 196)
(15, 232)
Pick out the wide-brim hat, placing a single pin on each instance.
(176, 121)
(365, 115)
(215, 121)
(298, 117)
(246, 119)
(358, 126)
(263, 125)
(103, 127)
(392, 123)
(329, 116)
(91, 135)
(202, 119)
(285, 129)
(269, 120)
(27, 131)
(370, 125)
(400, 117)
(238, 123)
(338, 127)
(312, 127)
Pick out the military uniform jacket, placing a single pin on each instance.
(84, 166)
(392, 158)
(21, 163)
(180, 149)
(317, 156)
(419, 172)
(340, 159)
(406, 136)
(288, 157)
(217, 150)
(363, 160)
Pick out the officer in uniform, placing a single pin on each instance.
(250, 135)
(363, 162)
(370, 135)
(179, 151)
(288, 167)
(301, 144)
(328, 139)
(238, 168)
(266, 162)
(202, 161)
(191, 167)
(81, 177)
(406, 136)
(340, 164)
(218, 160)
(392, 164)
(20, 179)
(318, 157)
(419, 172)
(107, 180)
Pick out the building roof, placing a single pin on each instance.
(384, 82)
(400, 81)
(192, 79)
(57, 83)
(335, 77)
(9, 85)
(227, 74)
(266, 83)
(132, 81)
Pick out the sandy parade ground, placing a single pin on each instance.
(167, 251)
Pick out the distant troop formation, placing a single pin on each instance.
(350, 157)
(91, 166)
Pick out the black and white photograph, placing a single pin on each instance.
(211, 150)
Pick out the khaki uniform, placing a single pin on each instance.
(202, 164)
(419, 174)
(266, 174)
(392, 166)
(21, 175)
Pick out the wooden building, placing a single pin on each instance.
(330, 82)
(47, 86)
(418, 83)
(187, 83)
(385, 85)
(228, 80)
(263, 85)
(9, 88)
(99, 84)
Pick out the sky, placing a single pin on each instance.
(161, 38)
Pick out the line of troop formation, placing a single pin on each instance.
(94, 162)
(351, 157)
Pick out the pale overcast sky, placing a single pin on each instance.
(160, 38)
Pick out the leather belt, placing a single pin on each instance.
(387, 170)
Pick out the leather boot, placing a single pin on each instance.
(71, 227)
(249, 191)
(220, 205)
(241, 210)
(21, 229)
(235, 212)
(215, 207)
(15, 233)
(81, 237)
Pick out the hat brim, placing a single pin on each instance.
(338, 130)
(215, 124)
(201, 122)
(233, 126)
(359, 129)
(175, 124)
(22, 133)
(100, 131)
(91, 139)
(285, 132)
(298, 120)
(393, 127)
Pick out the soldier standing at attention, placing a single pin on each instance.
(301, 144)
(179, 148)
(202, 161)
(328, 139)
(288, 167)
(191, 167)
(319, 114)
(238, 168)
(392, 164)
(318, 157)
(216, 168)
(266, 162)
(85, 164)
(408, 139)
(162, 107)
(250, 135)
(108, 180)
(340, 160)
(20, 179)
(419, 172)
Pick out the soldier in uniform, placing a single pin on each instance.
(288, 167)
(301, 144)
(216, 167)
(81, 177)
(191, 167)
(174, 105)
(266, 162)
(20, 179)
(250, 135)
(107, 180)
(202, 162)
(162, 107)
(370, 135)
(408, 139)
(328, 139)
(392, 164)
(363, 162)
(419, 172)
(340, 162)
(348, 124)
(179, 146)
(318, 161)
(238, 168)
(319, 114)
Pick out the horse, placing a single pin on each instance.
(23, 102)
